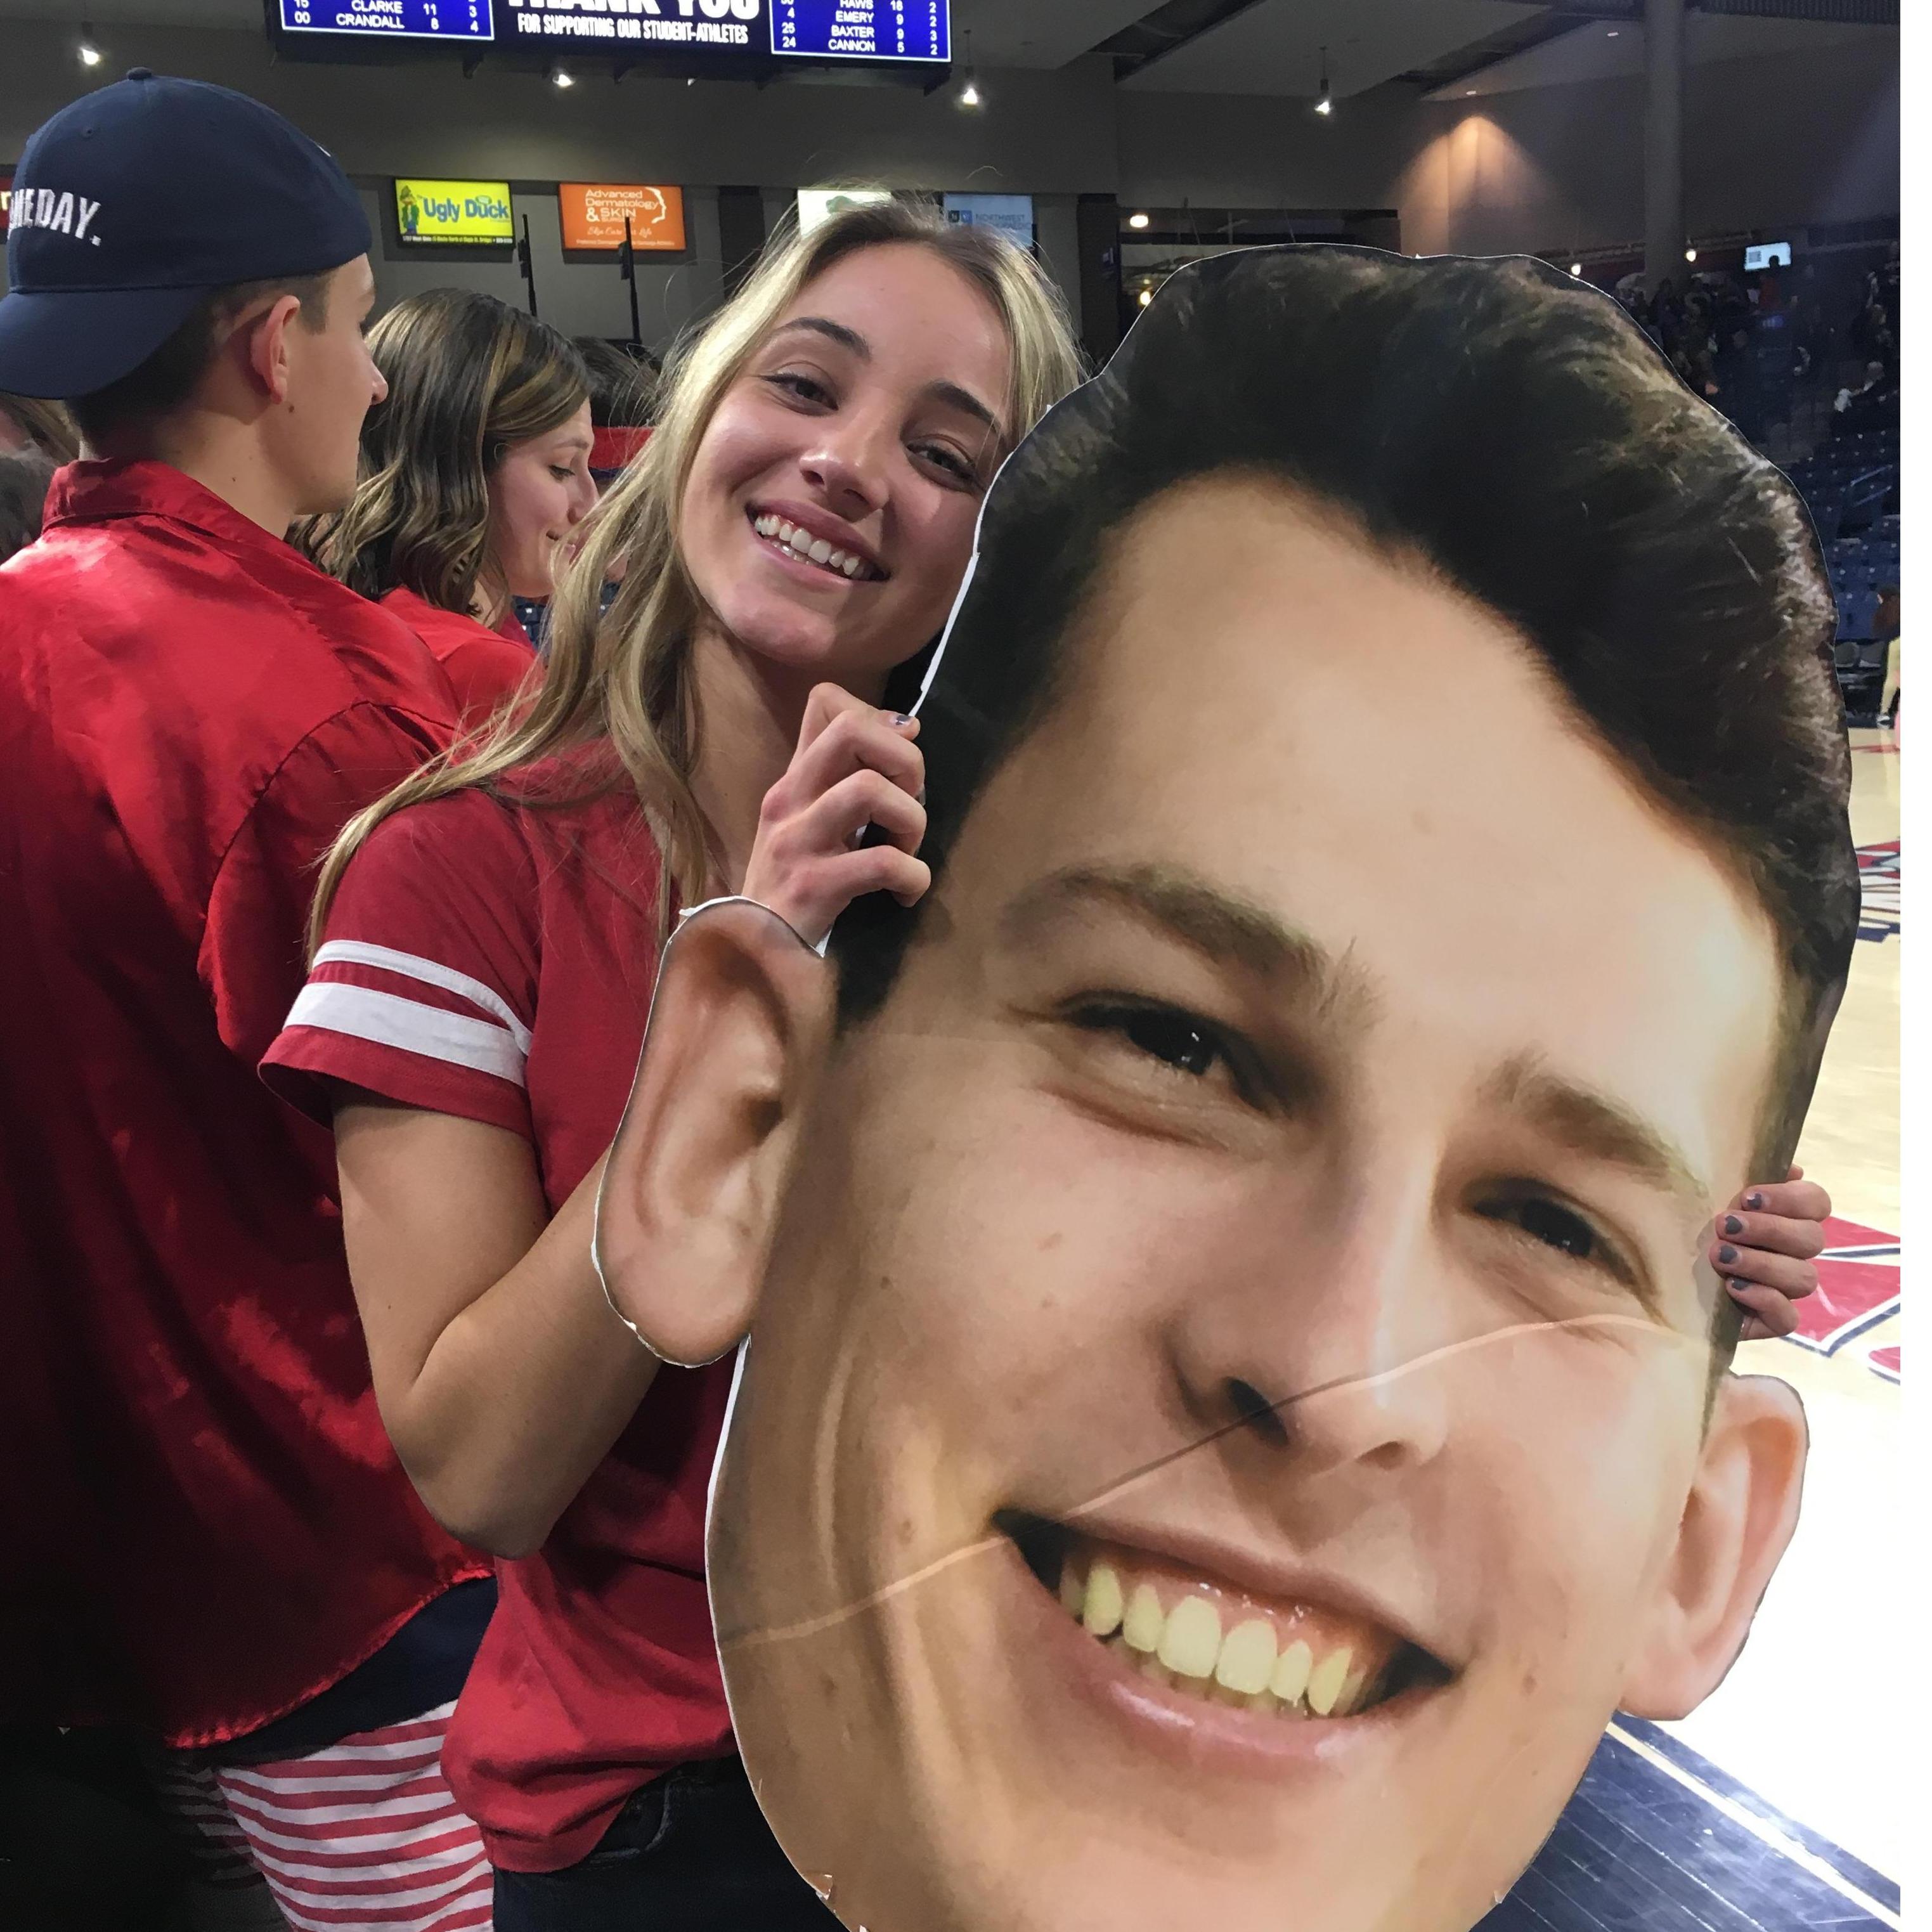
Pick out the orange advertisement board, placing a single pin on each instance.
(593, 215)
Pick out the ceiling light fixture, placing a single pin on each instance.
(1576, 268)
(1689, 254)
(559, 78)
(1324, 101)
(1137, 221)
(90, 54)
(970, 95)
(1612, 34)
(1146, 296)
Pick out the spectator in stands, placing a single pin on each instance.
(1872, 405)
(32, 422)
(1885, 626)
(25, 475)
(475, 470)
(216, 1546)
(804, 512)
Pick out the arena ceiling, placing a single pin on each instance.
(1442, 48)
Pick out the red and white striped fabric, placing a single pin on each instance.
(365, 1835)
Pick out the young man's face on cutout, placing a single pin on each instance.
(1224, 1425)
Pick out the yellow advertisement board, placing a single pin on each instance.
(454, 210)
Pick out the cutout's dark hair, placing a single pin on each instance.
(1518, 431)
(171, 375)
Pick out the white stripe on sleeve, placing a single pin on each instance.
(389, 1020)
(431, 972)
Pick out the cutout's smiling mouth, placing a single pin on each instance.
(1191, 1632)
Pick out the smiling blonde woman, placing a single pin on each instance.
(795, 530)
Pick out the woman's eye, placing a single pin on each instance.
(1555, 1226)
(801, 387)
(561, 471)
(950, 460)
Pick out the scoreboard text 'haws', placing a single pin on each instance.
(757, 33)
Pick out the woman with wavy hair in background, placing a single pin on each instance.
(795, 531)
(36, 438)
(475, 470)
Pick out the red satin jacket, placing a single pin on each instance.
(202, 1522)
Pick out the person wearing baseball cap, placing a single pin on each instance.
(217, 1547)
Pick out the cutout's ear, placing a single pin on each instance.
(740, 1022)
(1737, 1522)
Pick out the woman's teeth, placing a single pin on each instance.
(809, 549)
(1300, 1663)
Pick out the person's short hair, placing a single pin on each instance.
(1517, 431)
(171, 374)
(25, 475)
(623, 387)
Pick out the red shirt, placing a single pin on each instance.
(483, 666)
(496, 962)
(203, 1522)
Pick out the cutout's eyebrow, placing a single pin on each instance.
(950, 393)
(1223, 929)
(1598, 1128)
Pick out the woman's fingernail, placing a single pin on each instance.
(1732, 1225)
(901, 717)
(1727, 1255)
(1753, 1201)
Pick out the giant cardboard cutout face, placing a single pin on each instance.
(1233, 1403)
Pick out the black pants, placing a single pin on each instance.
(690, 1852)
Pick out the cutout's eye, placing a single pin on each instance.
(1546, 1221)
(1176, 1039)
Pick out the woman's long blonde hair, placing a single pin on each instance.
(626, 677)
(470, 377)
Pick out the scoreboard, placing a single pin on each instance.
(760, 33)
(898, 30)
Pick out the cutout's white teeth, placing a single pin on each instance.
(1289, 1678)
(1102, 1603)
(1246, 1661)
(1326, 1673)
(1145, 1619)
(1190, 1640)
(1326, 1679)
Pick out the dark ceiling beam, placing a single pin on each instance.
(1568, 16)
(1169, 27)
(1836, 13)
(1551, 23)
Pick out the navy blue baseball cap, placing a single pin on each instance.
(131, 205)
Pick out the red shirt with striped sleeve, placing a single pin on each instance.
(496, 961)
